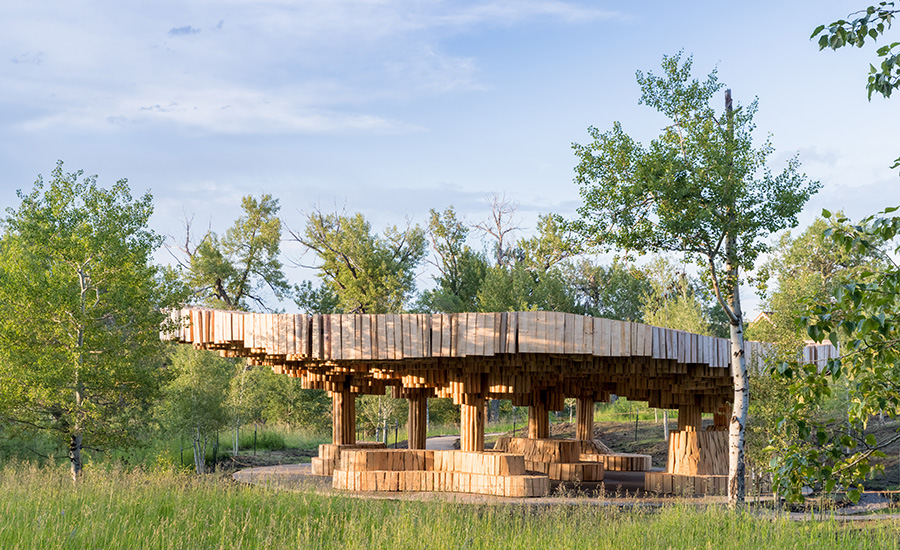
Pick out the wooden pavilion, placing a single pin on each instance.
(536, 359)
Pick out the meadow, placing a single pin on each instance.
(144, 508)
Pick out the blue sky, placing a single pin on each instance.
(394, 107)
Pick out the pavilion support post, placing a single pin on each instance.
(722, 417)
(584, 418)
(417, 422)
(538, 421)
(343, 409)
(689, 418)
(471, 435)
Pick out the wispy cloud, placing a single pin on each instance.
(307, 67)
(183, 31)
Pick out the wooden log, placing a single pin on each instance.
(538, 421)
(698, 453)
(584, 418)
(416, 425)
(343, 428)
(690, 418)
(471, 437)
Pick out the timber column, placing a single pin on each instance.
(343, 411)
(538, 421)
(690, 419)
(416, 424)
(471, 435)
(584, 418)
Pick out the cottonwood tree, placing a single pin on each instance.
(80, 313)
(533, 277)
(461, 270)
(500, 227)
(700, 189)
(238, 270)
(366, 272)
(615, 291)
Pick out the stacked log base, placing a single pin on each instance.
(683, 485)
(541, 450)
(497, 474)
(694, 453)
(568, 471)
(330, 455)
(560, 459)
(594, 447)
(621, 462)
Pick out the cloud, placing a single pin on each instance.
(183, 31)
(29, 58)
(316, 66)
(219, 111)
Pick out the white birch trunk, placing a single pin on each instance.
(737, 426)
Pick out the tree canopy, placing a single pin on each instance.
(235, 270)
(80, 313)
(366, 272)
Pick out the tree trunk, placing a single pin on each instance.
(75, 438)
(666, 424)
(75, 455)
(199, 445)
(736, 431)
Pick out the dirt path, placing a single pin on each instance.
(442, 443)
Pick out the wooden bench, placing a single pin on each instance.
(330, 455)
(487, 473)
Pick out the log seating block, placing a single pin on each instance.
(572, 451)
(330, 455)
(560, 459)
(696, 453)
(497, 474)
(621, 462)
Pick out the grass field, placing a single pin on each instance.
(112, 508)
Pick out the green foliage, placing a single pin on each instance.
(675, 300)
(316, 299)
(380, 412)
(442, 411)
(802, 270)
(235, 271)
(285, 401)
(80, 313)
(461, 269)
(611, 292)
(871, 23)
(368, 273)
(533, 274)
(518, 288)
(862, 314)
(695, 184)
(195, 402)
(700, 189)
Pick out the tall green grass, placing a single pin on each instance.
(114, 508)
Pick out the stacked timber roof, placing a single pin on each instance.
(527, 357)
